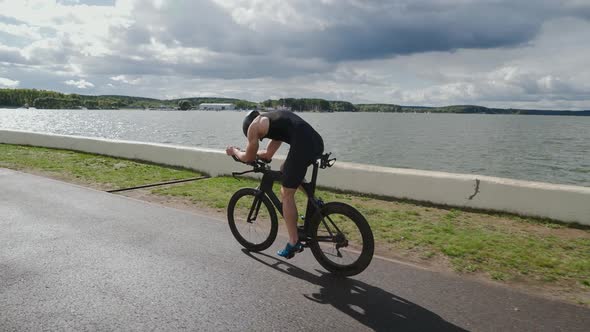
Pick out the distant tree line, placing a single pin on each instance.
(22, 97)
(379, 108)
(299, 104)
(56, 100)
(56, 103)
(475, 109)
(310, 105)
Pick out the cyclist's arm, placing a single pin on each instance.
(271, 149)
(249, 155)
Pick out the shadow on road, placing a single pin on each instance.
(369, 305)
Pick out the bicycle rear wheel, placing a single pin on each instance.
(342, 240)
(252, 219)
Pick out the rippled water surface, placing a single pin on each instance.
(541, 148)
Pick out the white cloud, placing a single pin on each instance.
(5, 82)
(80, 84)
(408, 51)
(258, 15)
(21, 30)
(174, 54)
(85, 28)
(9, 54)
(125, 79)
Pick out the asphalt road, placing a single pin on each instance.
(73, 258)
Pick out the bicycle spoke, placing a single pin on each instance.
(337, 236)
(252, 221)
(333, 224)
(327, 227)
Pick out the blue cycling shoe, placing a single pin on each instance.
(290, 250)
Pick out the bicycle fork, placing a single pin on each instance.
(254, 209)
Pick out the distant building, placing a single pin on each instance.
(216, 107)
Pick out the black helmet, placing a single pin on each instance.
(248, 120)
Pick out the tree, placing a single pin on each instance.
(91, 104)
(185, 105)
(245, 105)
(342, 106)
(379, 108)
(56, 103)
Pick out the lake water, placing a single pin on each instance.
(552, 149)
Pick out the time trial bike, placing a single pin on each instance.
(338, 235)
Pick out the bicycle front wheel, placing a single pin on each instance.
(342, 240)
(252, 219)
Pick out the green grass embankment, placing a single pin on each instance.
(84, 168)
(506, 248)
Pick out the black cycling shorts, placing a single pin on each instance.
(307, 147)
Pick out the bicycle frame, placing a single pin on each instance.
(313, 204)
(319, 224)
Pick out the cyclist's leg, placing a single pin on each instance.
(294, 170)
(290, 213)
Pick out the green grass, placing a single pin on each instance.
(503, 247)
(87, 168)
(473, 242)
(214, 193)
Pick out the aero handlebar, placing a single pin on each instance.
(262, 165)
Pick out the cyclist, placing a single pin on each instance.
(306, 145)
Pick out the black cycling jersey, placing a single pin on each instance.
(283, 125)
(306, 145)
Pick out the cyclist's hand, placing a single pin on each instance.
(231, 150)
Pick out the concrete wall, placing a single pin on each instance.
(559, 202)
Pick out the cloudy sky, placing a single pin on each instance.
(498, 53)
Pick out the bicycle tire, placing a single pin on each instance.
(368, 245)
(231, 210)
